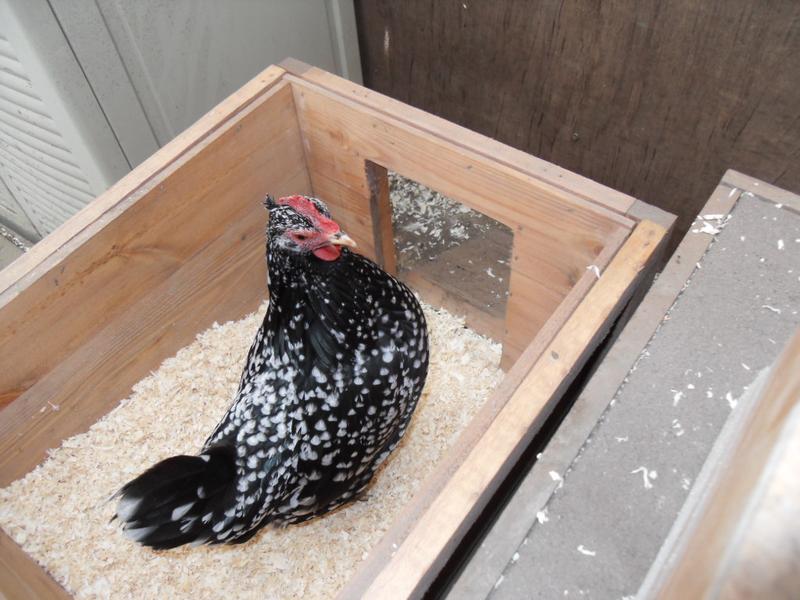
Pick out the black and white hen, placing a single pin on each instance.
(327, 392)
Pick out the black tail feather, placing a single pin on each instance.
(164, 507)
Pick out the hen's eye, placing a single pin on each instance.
(301, 236)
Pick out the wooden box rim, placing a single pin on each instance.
(404, 563)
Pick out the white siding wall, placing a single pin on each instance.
(99, 85)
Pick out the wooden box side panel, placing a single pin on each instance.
(556, 234)
(134, 236)
(427, 541)
(723, 548)
(187, 252)
(457, 454)
(21, 578)
(547, 173)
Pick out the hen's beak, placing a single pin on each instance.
(340, 238)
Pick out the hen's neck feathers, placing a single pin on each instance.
(315, 302)
(303, 276)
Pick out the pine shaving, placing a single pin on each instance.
(59, 513)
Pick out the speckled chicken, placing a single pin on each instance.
(328, 389)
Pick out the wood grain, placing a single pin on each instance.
(653, 98)
(410, 570)
(380, 210)
(549, 173)
(141, 236)
(710, 558)
(557, 234)
(762, 189)
(21, 578)
(764, 561)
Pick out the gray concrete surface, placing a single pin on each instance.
(619, 499)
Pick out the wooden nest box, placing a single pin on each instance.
(179, 243)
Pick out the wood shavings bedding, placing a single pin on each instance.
(59, 512)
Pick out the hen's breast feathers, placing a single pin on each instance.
(330, 383)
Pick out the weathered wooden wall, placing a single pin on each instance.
(655, 98)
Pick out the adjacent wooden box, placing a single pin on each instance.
(178, 244)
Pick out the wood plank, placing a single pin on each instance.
(533, 300)
(490, 148)
(767, 552)
(647, 97)
(496, 550)
(458, 453)
(533, 296)
(558, 234)
(223, 281)
(381, 215)
(143, 237)
(708, 557)
(338, 129)
(762, 189)
(21, 578)
(350, 205)
(641, 210)
(422, 553)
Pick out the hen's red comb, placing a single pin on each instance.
(308, 209)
